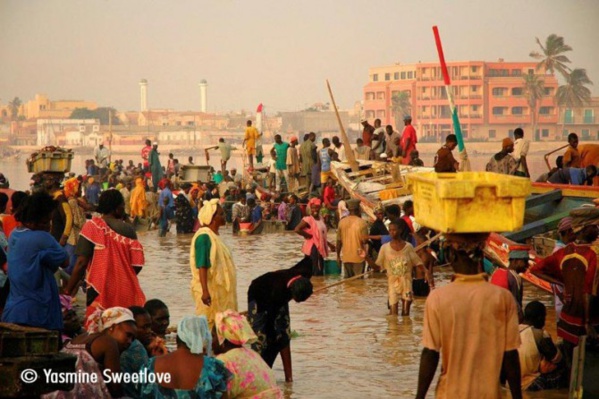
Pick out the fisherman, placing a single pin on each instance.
(249, 141)
(392, 140)
(520, 152)
(326, 155)
(293, 165)
(101, 155)
(362, 152)
(351, 234)
(503, 162)
(268, 310)
(308, 157)
(572, 157)
(455, 316)
(339, 148)
(280, 155)
(574, 176)
(367, 132)
(225, 153)
(574, 267)
(408, 140)
(444, 160)
(510, 278)
(378, 139)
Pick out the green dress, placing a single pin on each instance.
(155, 168)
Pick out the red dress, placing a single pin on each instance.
(110, 272)
(408, 133)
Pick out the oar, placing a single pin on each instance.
(546, 157)
(418, 248)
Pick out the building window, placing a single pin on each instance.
(380, 113)
(375, 77)
(531, 71)
(475, 108)
(517, 91)
(474, 88)
(498, 91)
(387, 76)
(588, 116)
(545, 110)
(498, 110)
(516, 72)
(396, 76)
(492, 134)
(380, 95)
(586, 134)
(548, 91)
(517, 110)
(545, 132)
(96, 128)
(474, 69)
(403, 75)
(568, 116)
(410, 75)
(369, 95)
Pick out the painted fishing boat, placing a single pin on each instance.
(376, 183)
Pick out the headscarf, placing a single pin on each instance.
(314, 202)
(207, 212)
(102, 320)
(506, 142)
(233, 327)
(71, 187)
(584, 216)
(343, 211)
(65, 303)
(194, 332)
(565, 224)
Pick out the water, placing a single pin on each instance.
(348, 346)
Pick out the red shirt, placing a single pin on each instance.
(145, 153)
(367, 134)
(576, 267)
(408, 133)
(328, 196)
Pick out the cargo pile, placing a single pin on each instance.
(50, 159)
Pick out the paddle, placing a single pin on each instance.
(418, 248)
(546, 157)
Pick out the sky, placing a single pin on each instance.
(274, 52)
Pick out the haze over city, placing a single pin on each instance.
(278, 53)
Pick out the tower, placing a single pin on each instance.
(143, 87)
(203, 95)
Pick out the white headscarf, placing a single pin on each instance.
(195, 333)
(103, 320)
(207, 211)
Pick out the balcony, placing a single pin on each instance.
(589, 120)
(474, 77)
(476, 97)
(476, 116)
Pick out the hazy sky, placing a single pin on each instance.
(277, 52)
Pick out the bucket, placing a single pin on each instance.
(331, 267)
(105, 185)
(245, 226)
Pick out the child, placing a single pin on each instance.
(399, 258)
(415, 160)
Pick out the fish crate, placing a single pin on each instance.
(469, 202)
(195, 173)
(543, 245)
(50, 161)
(18, 340)
(13, 386)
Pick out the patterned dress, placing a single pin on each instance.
(252, 378)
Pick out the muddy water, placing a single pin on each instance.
(347, 345)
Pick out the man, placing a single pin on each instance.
(572, 157)
(225, 153)
(236, 178)
(170, 165)
(408, 139)
(167, 207)
(160, 316)
(474, 325)
(503, 162)
(351, 233)
(294, 213)
(378, 139)
(444, 160)
(362, 152)
(575, 267)
(510, 278)
(145, 155)
(101, 156)
(367, 132)
(240, 212)
(92, 192)
(520, 153)
(190, 160)
(339, 149)
(249, 141)
(255, 216)
(280, 154)
(392, 141)
(62, 217)
(155, 167)
(326, 155)
(308, 157)
(541, 365)
(575, 176)
(415, 159)
(293, 166)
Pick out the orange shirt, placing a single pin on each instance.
(9, 223)
(572, 158)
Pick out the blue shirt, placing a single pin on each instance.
(256, 214)
(92, 193)
(33, 258)
(325, 160)
(166, 193)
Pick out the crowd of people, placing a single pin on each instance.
(81, 233)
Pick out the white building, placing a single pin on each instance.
(49, 129)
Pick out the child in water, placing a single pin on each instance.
(399, 258)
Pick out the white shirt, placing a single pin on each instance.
(520, 150)
(375, 139)
(341, 153)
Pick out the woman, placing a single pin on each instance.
(184, 214)
(33, 258)
(108, 249)
(72, 325)
(252, 378)
(314, 230)
(214, 281)
(138, 199)
(98, 352)
(72, 190)
(192, 373)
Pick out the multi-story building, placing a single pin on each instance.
(582, 120)
(42, 107)
(488, 95)
(71, 132)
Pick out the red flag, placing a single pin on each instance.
(259, 108)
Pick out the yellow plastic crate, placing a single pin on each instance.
(469, 202)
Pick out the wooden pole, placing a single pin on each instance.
(546, 157)
(348, 150)
(110, 136)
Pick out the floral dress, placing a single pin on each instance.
(252, 378)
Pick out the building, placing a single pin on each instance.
(313, 121)
(489, 97)
(42, 107)
(582, 121)
(69, 132)
(166, 117)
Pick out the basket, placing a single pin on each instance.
(469, 202)
(18, 340)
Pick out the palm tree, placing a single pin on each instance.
(534, 89)
(574, 93)
(401, 105)
(551, 55)
(14, 106)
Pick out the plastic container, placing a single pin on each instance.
(469, 202)
(50, 162)
(331, 267)
(245, 226)
(194, 173)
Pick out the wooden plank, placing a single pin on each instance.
(567, 190)
(538, 227)
(535, 200)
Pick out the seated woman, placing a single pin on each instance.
(192, 373)
(72, 324)
(98, 351)
(252, 378)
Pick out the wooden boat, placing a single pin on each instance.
(376, 183)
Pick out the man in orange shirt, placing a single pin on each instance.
(249, 141)
(572, 157)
